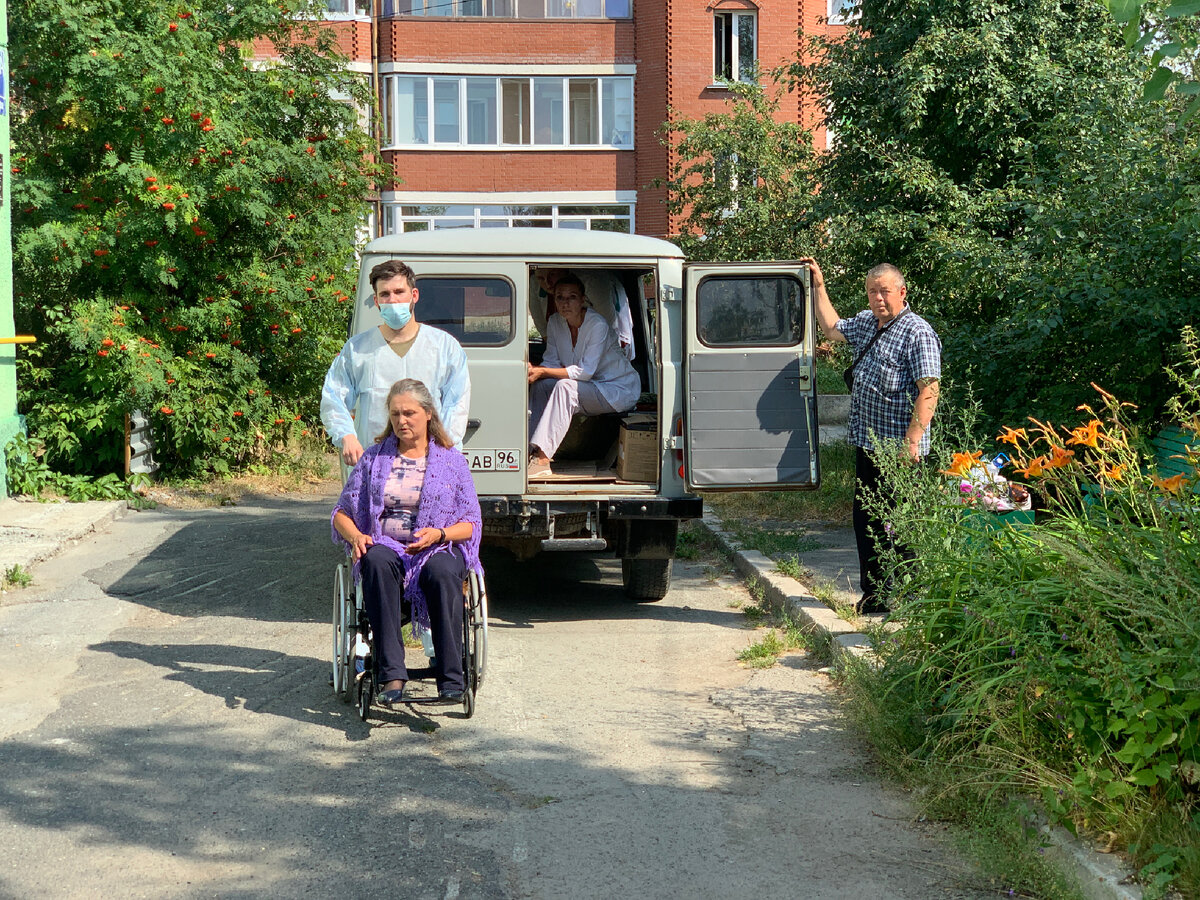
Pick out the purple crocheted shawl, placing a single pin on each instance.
(447, 498)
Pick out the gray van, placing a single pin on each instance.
(724, 352)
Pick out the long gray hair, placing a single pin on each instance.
(417, 390)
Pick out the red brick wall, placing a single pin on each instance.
(353, 38)
(670, 41)
(526, 170)
(675, 69)
(656, 45)
(412, 39)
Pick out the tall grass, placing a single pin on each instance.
(1059, 660)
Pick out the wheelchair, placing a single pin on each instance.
(355, 675)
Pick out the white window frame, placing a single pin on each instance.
(347, 12)
(838, 15)
(390, 104)
(733, 28)
(391, 219)
(513, 9)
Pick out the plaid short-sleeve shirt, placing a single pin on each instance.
(885, 380)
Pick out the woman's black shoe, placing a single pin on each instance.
(392, 699)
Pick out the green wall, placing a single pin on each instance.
(10, 422)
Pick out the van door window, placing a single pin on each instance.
(750, 311)
(477, 311)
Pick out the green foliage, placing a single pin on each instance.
(1165, 36)
(1059, 659)
(184, 224)
(741, 180)
(16, 576)
(29, 475)
(999, 153)
(761, 654)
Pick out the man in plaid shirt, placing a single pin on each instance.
(893, 398)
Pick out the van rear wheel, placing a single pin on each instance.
(646, 580)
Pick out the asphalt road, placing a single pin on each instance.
(167, 730)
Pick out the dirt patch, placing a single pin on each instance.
(318, 476)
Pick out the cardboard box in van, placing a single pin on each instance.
(637, 451)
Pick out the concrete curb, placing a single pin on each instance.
(33, 532)
(1100, 875)
(785, 594)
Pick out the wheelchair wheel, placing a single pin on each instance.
(366, 692)
(343, 634)
(475, 643)
(468, 702)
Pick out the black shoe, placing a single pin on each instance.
(870, 606)
(450, 696)
(392, 699)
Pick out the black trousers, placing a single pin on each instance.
(441, 581)
(872, 534)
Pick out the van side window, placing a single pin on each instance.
(750, 310)
(477, 311)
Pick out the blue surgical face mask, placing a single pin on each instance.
(395, 315)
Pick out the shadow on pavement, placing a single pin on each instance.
(274, 562)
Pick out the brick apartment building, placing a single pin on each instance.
(497, 113)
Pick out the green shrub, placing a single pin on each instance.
(1060, 659)
(28, 475)
(184, 225)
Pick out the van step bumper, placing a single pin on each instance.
(656, 508)
(575, 544)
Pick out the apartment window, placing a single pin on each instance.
(399, 217)
(348, 7)
(841, 12)
(481, 111)
(505, 9)
(477, 111)
(735, 43)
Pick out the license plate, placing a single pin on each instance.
(494, 460)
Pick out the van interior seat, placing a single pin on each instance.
(590, 437)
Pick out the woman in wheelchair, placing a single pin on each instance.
(410, 517)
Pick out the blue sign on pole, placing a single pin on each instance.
(3, 82)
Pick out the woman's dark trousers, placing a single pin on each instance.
(441, 581)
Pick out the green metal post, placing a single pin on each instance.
(10, 423)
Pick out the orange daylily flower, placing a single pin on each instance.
(1172, 485)
(1113, 472)
(1010, 435)
(1086, 435)
(962, 464)
(1059, 457)
(1035, 468)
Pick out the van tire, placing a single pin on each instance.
(646, 580)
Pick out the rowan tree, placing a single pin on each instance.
(185, 218)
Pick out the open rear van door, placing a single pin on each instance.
(750, 408)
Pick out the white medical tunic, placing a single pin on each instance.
(607, 296)
(366, 369)
(596, 357)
